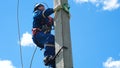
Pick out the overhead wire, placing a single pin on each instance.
(18, 27)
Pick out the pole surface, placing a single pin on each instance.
(62, 37)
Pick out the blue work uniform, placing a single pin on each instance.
(40, 19)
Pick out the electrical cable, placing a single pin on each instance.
(18, 25)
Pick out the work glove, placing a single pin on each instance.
(57, 8)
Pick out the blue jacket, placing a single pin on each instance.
(41, 17)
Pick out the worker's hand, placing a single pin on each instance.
(57, 8)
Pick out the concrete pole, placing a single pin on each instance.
(62, 37)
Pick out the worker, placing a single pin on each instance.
(42, 37)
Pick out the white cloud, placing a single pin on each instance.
(81, 1)
(86, 1)
(6, 64)
(111, 63)
(105, 4)
(111, 4)
(26, 39)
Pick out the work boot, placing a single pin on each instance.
(47, 60)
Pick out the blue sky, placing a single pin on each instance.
(95, 33)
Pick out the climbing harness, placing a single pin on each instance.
(54, 57)
(35, 30)
(47, 27)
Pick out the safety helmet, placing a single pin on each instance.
(38, 5)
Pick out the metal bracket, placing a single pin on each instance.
(53, 59)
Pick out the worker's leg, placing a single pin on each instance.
(39, 39)
(39, 44)
(47, 39)
(49, 54)
(50, 46)
(50, 50)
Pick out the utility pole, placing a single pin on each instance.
(62, 37)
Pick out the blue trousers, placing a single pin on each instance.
(40, 39)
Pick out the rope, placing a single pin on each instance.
(66, 8)
(18, 24)
(33, 57)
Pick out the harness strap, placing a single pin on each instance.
(43, 14)
(51, 45)
(36, 30)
